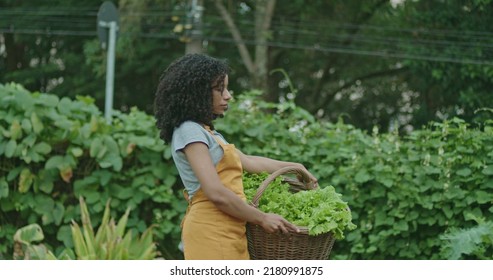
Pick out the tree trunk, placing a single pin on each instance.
(258, 68)
(264, 10)
(235, 32)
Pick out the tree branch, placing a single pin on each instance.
(327, 100)
(245, 55)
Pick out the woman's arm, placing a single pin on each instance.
(227, 201)
(257, 164)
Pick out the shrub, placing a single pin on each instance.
(404, 191)
(54, 150)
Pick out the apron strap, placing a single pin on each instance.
(219, 141)
(185, 195)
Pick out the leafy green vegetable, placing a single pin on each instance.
(321, 210)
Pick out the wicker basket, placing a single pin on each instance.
(290, 246)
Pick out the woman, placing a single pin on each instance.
(192, 92)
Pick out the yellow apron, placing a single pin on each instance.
(207, 232)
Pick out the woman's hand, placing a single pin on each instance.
(256, 164)
(274, 223)
(310, 175)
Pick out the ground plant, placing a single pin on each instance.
(110, 242)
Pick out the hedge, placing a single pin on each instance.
(405, 191)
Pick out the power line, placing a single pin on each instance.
(330, 49)
(322, 48)
(56, 23)
(317, 25)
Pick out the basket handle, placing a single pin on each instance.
(302, 176)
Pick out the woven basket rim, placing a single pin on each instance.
(303, 182)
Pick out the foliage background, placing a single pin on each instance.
(404, 191)
(385, 100)
(394, 64)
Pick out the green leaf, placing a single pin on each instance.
(401, 225)
(77, 152)
(484, 197)
(448, 212)
(464, 172)
(28, 234)
(44, 181)
(488, 170)
(64, 234)
(10, 148)
(14, 173)
(112, 160)
(105, 177)
(24, 100)
(15, 130)
(48, 100)
(25, 180)
(42, 148)
(26, 126)
(362, 176)
(64, 106)
(167, 153)
(122, 224)
(29, 140)
(58, 212)
(94, 124)
(85, 131)
(97, 150)
(37, 124)
(64, 124)
(55, 162)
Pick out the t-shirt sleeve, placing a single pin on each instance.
(187, 133)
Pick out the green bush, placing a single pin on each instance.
(404, 191)
(54, 150)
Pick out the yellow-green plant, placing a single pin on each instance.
(110, 242)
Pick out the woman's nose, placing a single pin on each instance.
(227, 94)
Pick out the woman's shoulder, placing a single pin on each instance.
(190, 125)
(188, 132)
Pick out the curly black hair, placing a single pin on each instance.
(184, 92)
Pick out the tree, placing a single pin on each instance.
(56, 50)
(330, 51)
(257, 67)
(39, 54)
(369, 62)
(459, 81)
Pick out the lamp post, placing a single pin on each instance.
(107, 27)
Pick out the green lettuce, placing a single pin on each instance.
(320, 210)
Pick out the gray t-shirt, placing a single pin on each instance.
(187, 133)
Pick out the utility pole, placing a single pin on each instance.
(195, 20)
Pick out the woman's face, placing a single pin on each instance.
(220, 98)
